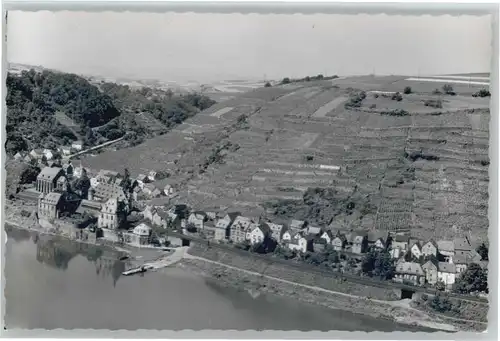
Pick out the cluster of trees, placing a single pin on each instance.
(447, 89)
(355, 100)
(474, 279)
(33, 99)
(378, 264)
(36, 99)
(395, 112)
(319, 77)
(482, 93)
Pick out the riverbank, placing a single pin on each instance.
(257, 284)
(254, 275)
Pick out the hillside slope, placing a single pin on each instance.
(403, 164)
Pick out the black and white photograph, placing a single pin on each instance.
(184, 170)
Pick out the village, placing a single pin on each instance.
(108, 205)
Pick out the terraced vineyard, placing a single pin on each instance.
(426, 171)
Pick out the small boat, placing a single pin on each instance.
(134, 271)
(124, 258)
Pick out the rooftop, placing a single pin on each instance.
(52, 198)
(446, 267)
(49, 173)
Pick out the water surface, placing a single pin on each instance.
(55, 283)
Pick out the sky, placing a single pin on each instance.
(212, 47)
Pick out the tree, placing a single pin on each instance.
(368, 262)
(29, 175)
(407, 90)
(285, 80)
(127, 182)
(267, 85)
(383, 266)
(448, 89)
(483, 251)
(440, 286)
(44, 161)
(474, 279)
(440, 303)
(191, 228)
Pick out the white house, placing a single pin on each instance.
(446, 274)
(36, 153)
(168, 190)
(77, 145)
(238, 229)
(287, 235)
(65, 150)
(94, 181)
(395, 252)
(429, 248)
(298, 242)
(152, 176)
(18, 156)
(48, 154)
(327, 236)
(416, 251)
(197, 219)
(250, 229)
(259, 233)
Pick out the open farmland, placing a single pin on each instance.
(424, 171)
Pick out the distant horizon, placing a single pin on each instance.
(468, 74)
(199, 47)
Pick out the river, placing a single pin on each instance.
(56, 283)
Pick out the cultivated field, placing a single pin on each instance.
(426, 171)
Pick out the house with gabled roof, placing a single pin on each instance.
(416, 251)
(259, 232)
(400, 241)
(277, 231)
(298, 243)
(46, 180)
(152, 176)
(339, 242)
(360, 243)
(446, 249)
(50, 205)
(18, 156)
(379, 239)
(461, 261)
(238, 229)
(461, 246)
(197, 218)
(318, 244)
(113, 214)
(327, 236)
(409, 272)
(225, 222)
(446, 274)
(48, 154)
(77, 145)
(430, 248)
(36, 153)
(431, 271)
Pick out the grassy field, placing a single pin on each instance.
(426, 171)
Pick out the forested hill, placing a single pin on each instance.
(49, 109)
(35, 98)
